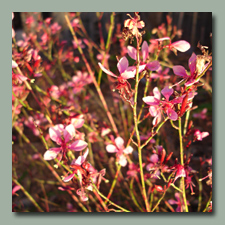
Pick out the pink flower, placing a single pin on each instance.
(200, 135)
(126, 71)
(87, 175)
(201, 115)
(181, 45)
(157, 106)
(55, 27)
(180, 71)
(132, 52)
(75, 164)
(158, 162)
(133, 24)
(177, 202)
(63, 136)
(120, 150)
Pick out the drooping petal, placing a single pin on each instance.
(111, 148)
(181, 46)
(180, 71)
(123, 64)
(153, 66)
(144, 50)
(81, 159)
(69, 133)
(167, 92)
(55, 133)
(106, 71)
(192, 63)
(119, 142)
(122, 160)
(172, 114)
(78, 145)
(132, 52)
(128, 150)
(68, 178)
(51, 153)
(150, 100)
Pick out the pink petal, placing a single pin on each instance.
(157, 119)
(122, 160)
(156, 93)
(106, 71)
(144, 50)
(163, 39)
(180, 71)
(167, 92)
(82, 194)
(69, 133)
(52, 153)
(68, 178)
(14, 64)
(172, 114)
(153, 110)
(55, 133)
(142, 67)
(150, 100)
(111, 148)
(192, 63)
(132, 52)
(119, 142)
(128, 150)
(77, 122)
(78, 145)
(15, 189)
(181, 46)
(154, 158)
(81, 159)
(153, 66)
(129, 73)
(123, 64)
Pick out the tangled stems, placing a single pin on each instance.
(28, 195)
(93, 78)
(182, 164)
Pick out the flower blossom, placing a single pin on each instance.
(133, 24)
(87, 175)
(132, 52)
(180, 71)
(63, 136)
(157, 106)
(126, 71)
(120, 150)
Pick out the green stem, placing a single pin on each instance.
(182, 164)
(112, 203)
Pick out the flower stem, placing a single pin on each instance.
(182, 164)
(93, 78)
(112, 203)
